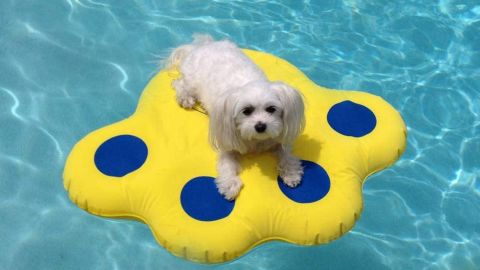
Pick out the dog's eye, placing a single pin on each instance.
(247, 111)
(271, 109)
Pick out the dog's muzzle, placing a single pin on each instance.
(260, 127)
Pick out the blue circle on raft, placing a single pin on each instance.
(201, 200)
(121, 155)
(314, 186)
(351, 119)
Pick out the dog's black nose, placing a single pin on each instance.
(260, 127)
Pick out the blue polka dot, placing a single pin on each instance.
(121, 155)
(351, 119)
(201, 200)
(314, 186)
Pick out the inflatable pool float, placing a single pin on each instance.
(157, 167)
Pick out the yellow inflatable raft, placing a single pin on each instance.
(158, 167)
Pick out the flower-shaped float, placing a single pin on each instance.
(158, 167)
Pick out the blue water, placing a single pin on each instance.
(69, 67)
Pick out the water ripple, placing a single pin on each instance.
(15, 105)
(124, 76)
(20, 162)
(44, 37)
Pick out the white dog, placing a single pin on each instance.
(248, 113)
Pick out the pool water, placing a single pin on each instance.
(68, 67)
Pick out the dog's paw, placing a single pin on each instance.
(229, 187)
(292, 180)
(186, 102)
(291, 174)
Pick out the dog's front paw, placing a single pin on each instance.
(292, 180)
(291, 173)
(229, 187)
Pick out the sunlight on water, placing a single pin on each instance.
(69, 67)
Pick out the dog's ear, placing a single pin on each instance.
(293, 111)
(223, 134)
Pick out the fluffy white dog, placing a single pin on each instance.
(248, 113)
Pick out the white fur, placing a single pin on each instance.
(229, 85)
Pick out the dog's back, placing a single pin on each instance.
(213, 67)
(179, 53)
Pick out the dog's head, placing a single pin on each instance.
(256, 111)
